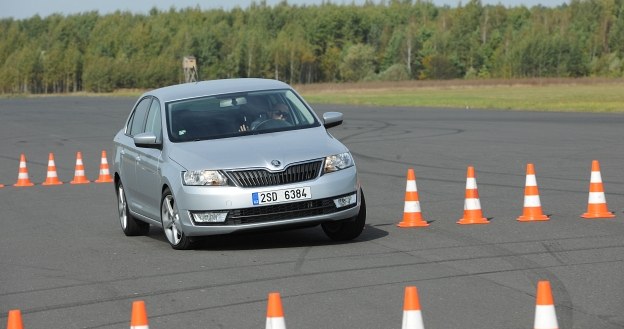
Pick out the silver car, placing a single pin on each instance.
(235, 155)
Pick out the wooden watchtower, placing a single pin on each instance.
(189, 64)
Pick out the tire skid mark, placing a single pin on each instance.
(522, 265)
(301, 260)
(320, 292)
(554, 248)
(534, 271)
(404, 134)
(392, 252)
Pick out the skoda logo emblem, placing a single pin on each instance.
(276, 163)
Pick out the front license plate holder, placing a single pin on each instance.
(281, 196)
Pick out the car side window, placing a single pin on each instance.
(137, 123)
(154, 121)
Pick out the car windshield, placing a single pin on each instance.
(237, 114)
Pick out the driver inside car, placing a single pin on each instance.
(278, 112)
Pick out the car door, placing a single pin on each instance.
(129, 152)
(148, 162)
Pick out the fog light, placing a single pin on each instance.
(346, 200)
(210, 217)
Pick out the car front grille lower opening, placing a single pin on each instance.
(296, 173)
(279, 212)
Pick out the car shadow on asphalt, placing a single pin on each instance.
(293, 238)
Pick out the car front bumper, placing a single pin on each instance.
(243, 215)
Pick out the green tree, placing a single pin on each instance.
(358, 63)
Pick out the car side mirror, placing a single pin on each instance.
(332, 119)
(147, 140)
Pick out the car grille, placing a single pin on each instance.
(279, 212)
(261, 177)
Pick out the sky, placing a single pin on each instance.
(20, 9)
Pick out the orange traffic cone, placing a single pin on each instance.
(105, 176)
(412, 317)
(52, 177)
(597, 204)
(472, 205)
(79, 173)
(275, 312)
(532, 205)
(139, 315)
(545, 316)
(14, 321)
(412, 216)
(22, 176)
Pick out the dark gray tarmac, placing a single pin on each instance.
(65, 262)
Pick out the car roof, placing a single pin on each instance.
(214, 87)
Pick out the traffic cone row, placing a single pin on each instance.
(545, 316)
(23, 179)
(532, 210)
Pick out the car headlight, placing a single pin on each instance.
(204, 177)
(338, 162)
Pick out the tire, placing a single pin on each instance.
(129, 225)
(171, 223)
(349, 229)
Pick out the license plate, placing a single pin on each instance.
(277, 196)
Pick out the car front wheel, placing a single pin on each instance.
(130, 225)
(347, 229)
(171, 223)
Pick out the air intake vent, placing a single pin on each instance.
(300, 172)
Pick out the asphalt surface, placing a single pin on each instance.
(65, 263)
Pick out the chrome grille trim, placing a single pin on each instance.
(295, 173)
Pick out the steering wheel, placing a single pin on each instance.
(272, 123)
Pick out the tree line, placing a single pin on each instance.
(391, 40)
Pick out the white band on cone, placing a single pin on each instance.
(411, 206)
(411, 186)
(545, 317)
(530, 180)
(275, 323)
(532, 201)
(472, 204)
(595, 177)
(471, 183)
(412, 320)
(597, 197)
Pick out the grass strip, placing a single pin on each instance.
(561, 95)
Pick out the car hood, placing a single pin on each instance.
(256, 151)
